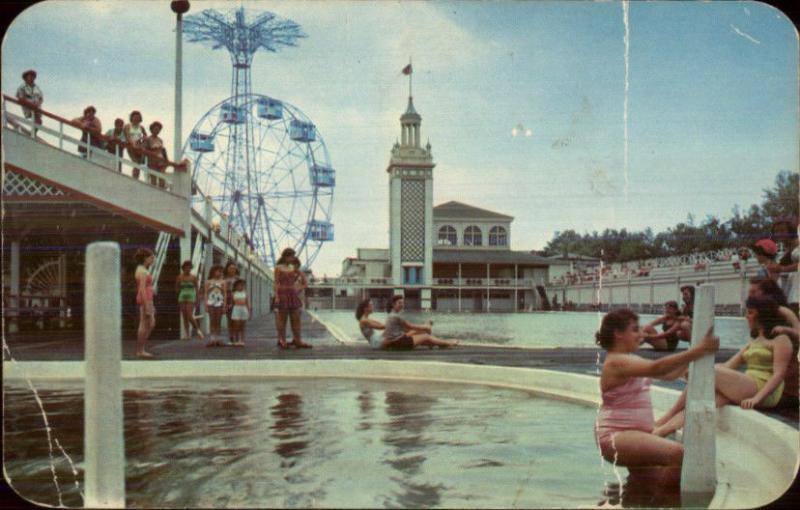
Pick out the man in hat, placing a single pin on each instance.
(31, 92)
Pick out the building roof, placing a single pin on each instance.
(457, 210)
(450, 256)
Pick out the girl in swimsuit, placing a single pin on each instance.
(231, 273)
(135, 136)
(144, 298)
(766, 357)
(624, 426)
(289, 281)
(216, 301)
(186, 286)
(367, 325)
(240, 312)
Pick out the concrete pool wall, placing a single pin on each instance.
(757, 456)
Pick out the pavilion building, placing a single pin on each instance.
(451, 257)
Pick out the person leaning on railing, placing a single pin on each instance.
(92, 130)
(115, 140)
(154, 144)
(134, 136)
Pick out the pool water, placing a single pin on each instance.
(319, 443)
(538, 329)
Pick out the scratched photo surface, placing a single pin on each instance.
(514, 169)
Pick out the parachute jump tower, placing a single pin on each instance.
(259, 159)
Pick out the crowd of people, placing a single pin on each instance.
(772, 254)
(130, 137)
(224, 294)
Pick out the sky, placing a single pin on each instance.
(712, 101)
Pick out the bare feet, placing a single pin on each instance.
(301, 344)
(282, 344)
(144, 355)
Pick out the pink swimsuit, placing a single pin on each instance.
(625, 407)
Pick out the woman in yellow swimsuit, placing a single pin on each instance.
(766, 357)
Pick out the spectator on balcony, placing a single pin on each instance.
(157, 154)
(116, 139)
(135, 135)
(765, 251)
(785, 231)
(672, 330)
(91, 129)
(31, 93)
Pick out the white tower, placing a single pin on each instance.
(411, 209)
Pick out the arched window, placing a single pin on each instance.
(498, 236)
(472, 236)
(447, 236)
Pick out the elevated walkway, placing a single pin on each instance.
(85, 180)
(62, 189)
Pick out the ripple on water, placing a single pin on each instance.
(335, 443)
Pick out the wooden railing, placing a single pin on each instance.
(58, 131)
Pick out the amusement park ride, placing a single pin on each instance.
(260, 160)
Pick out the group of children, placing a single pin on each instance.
(224, 293)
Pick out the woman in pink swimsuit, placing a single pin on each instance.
(624, 425)
(144, 298)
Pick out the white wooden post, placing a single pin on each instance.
(699, 471)
(104, 442)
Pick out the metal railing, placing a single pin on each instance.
(57, 131)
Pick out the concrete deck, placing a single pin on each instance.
(262, 344)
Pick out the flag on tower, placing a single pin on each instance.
(407, 69)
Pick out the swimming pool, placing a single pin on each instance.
(539, 329)
(319, 443)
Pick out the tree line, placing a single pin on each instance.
(743, 228)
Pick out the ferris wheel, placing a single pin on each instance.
(261, 161)
(277, 189)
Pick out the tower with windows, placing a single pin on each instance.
(411, 209)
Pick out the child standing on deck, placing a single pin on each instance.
(216, 300)
(240, 313)
(186, 286)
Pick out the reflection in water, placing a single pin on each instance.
(409, 417)
(341, 443)
(365, 405)
(289, 424)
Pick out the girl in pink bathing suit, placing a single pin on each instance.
(624, 425)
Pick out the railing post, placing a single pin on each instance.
(104, 447)
(699, 471)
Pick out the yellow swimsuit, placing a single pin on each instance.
(759, 368)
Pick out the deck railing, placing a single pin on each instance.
(65, 134)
